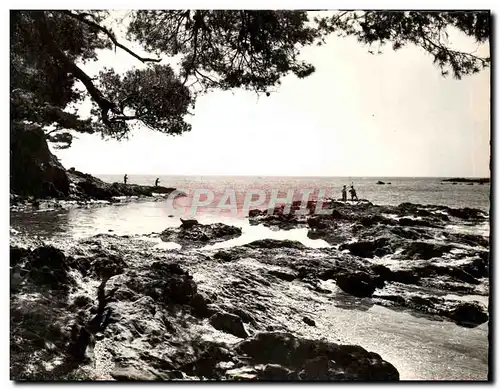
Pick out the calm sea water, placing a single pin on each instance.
(414, 190)
(154, 216)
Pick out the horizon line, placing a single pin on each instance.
(265, 175)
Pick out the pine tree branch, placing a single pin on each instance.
(81, 17)
(72, 68)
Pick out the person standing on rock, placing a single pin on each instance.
(157, 181)
(344, 194)
(352, 191)
(125, 178)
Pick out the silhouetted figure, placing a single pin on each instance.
(344, 194)
(125, 178)
(352, 191)
(157, 181)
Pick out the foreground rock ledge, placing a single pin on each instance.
(144, 319)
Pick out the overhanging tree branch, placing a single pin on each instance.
(72, 68)
(81, 17)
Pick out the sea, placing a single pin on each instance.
(421, 190)
(146, 217)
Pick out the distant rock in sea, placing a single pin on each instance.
(465, 180)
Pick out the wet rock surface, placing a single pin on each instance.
(306, 359)
(391, 247)
(192, 233)
(111, 307)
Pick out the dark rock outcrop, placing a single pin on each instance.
(466, 180)
(467, 213)
(424, 250)
(283, 275)
(133, 374)
(270, 243)
(44, 266)
(309, 321)
(188, 223)
(89, 187)
(359, 284)
(369, 249)
(196, 233)
(229, 323)
(34, 170)
(317, 360)
(469, 314)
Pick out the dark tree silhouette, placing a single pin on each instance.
(217, 49)
(427, 30)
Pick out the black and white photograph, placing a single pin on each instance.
(250, 195)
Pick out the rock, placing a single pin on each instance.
(242, 374)
(229, 323)
(188, 223)
(283, 275)
(200, 234)
(17, 254)
(276, 372)
(164, 282)
(468, 239)
(466, 180)
(34, 170)
(48, 266)
(256, 213)
(415, 222)
(321, 368)
(225, 256)
(410, 234)
(369, 249)
(316, 223)
(478, 267)
(359, 284)
(180, 289)
(372, 220)
(106, 266)
(469, 314)
(337, 215)
(424, 250)
(400, 276)
(269, 243)
(87, 186)
(308, 321)
(380, 182)
(404, 276)
(132, 374)
(351, 362)
(199, 304)
(81, 301)
(466, 213)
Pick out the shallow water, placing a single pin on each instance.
(419, 348)
(138, 218)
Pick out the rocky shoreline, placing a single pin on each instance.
(86, 190)
(116, 307)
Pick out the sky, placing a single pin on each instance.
(359, 114)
